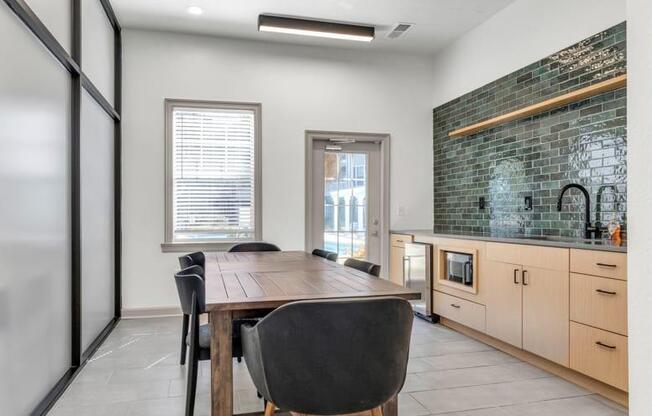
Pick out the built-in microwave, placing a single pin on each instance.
(459, 268)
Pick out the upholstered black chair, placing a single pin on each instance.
(197, 258)
(363, 266)
(254, 246)
(328, 255)
(330, 357)
(185, 261)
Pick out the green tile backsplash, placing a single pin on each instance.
(584, 142)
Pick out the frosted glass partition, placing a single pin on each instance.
(98, 48)
(56, 16)
(35, 298)
(96, 219)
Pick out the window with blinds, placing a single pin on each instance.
(213, 172)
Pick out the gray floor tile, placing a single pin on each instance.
(136, 372)
(496, 395)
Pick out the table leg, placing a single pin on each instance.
(391, 407)
(221, 364)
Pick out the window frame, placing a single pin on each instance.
(169, 245)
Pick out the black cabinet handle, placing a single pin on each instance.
(606, 265)
(611, 347)
(524, 273)
(515, 278)
(606, 292)
(455, 306)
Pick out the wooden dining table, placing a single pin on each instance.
(242, 285)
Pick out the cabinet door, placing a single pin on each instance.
(546, 314)
(396, 265)
(502, 285)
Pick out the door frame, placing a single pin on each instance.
(380, 138)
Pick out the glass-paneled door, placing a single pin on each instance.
(346, 198)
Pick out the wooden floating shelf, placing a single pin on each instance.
(549, 104)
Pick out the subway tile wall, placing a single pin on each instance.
(584, 142)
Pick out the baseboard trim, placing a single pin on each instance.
(151, 312)
(592, 385)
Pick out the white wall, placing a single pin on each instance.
(518, 35)
(300, 88)
(639, 154)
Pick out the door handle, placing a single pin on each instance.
(524, 274)
(605, 292)
(515, 278)
(455, 306)
(606, 265)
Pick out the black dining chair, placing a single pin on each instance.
(254, 246)
(185, 261)
(192, 259)
(192, 294)
(363, 266)
(330, 357)
(328, 255)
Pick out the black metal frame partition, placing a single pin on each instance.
(72, 62)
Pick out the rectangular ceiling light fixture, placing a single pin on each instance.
(306, 27)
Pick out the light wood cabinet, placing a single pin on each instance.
(599, 263)
(397, 256)
(459, 310)
(599, 302)
(545, 313)
(526, 304)
(396, 265)
(504, 302)
(599, 354)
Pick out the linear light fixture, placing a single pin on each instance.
(317, 28)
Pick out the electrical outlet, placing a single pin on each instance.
(481, 202)
(528, 203)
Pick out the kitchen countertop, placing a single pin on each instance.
(548, 241)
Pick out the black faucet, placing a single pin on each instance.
(589, 230)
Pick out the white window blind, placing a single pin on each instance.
(213, 174)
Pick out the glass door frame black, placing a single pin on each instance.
(73, 63)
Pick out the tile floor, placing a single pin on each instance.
(136, 373)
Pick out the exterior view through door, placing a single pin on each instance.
(346, 197)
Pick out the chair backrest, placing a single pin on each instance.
(330, 357)
(193, 259)
(328, 255)
(191, 280)
(363, 266)
(254, 246)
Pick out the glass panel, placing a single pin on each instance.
(56, 16)
(96, 219)
(359, 246)
(34, 219)
(345, 204)
(97, 47)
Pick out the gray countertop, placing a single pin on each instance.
(548, 241)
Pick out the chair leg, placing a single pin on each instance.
(378, 411)
(270, 409)
(191, 387)
(184, 333)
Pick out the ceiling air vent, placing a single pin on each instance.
(399, 30)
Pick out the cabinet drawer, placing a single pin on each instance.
(550, 258)
(399, 240)
(459, 310)
(599, 302)
(599, 263)
(599, 354)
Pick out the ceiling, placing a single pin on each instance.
(437, 22)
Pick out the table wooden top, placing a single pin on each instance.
(261, 280)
